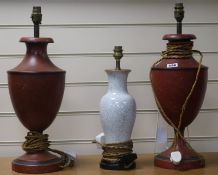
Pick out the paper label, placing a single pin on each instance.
(161, 135)
(100, 139)
(172, 65)
(72, 154)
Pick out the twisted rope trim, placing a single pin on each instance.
(178, 50)
(36, 141)
(115, 151)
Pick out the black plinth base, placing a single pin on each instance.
(127, 162)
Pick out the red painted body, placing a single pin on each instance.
(36, 89)
(171, 87)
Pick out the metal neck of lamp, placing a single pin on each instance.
(118, 54)
(179, 15)
(37, 19)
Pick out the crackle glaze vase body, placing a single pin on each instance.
(118, 108)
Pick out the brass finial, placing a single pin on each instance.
(36, 18)
(118, 54)
(179, 15)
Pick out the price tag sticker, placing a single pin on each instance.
(172, 65)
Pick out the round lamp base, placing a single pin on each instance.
(164, 162)
(37, 163)
(190, 159)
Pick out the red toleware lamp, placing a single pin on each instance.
(36, 89)
(179, 83)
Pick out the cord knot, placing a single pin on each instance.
(36, 141)
(115, 151)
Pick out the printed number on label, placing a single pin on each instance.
(172, 65)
